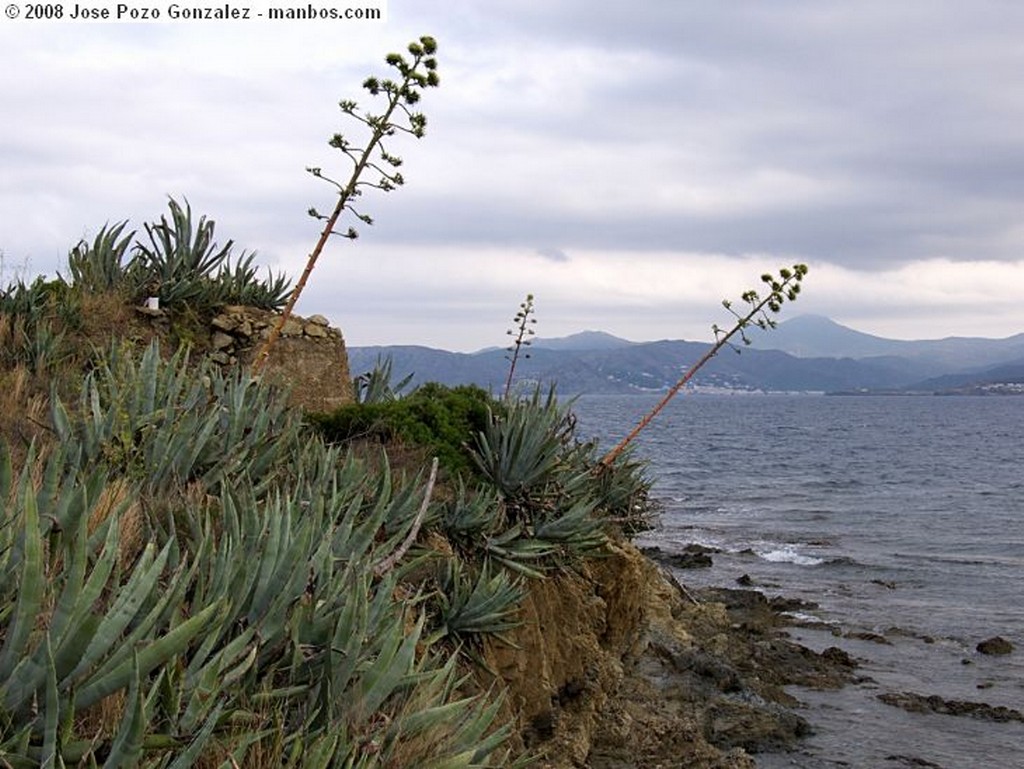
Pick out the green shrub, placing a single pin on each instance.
(440, 419)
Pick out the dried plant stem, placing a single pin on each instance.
(386, 565)
(343, 198)
(789, 287)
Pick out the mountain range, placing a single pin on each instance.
(808, 353)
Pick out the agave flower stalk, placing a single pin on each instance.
(415, 76)
(786, 286)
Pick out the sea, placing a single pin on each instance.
(900, 517)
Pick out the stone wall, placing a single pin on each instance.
(309, 357)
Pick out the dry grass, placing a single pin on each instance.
(100, 721)
(24, 406)
(109, 315)
(120, 498)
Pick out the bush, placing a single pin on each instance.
(440, 419)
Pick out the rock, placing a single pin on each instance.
(292, 327)
(837, 656)
(995, 646)
(692, 557)
(319, 320)
(225, 322)
(222, 341)
(920, 703)
(755, 726)
(744, 580)
(869, 636)
(316, 331)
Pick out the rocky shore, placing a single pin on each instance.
(618, 665)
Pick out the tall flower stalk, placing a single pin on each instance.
(522, 332)
(785, 286)
(398, 116)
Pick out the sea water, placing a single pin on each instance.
(901, 517)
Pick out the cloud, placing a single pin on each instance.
(668, 149)
(553, 254)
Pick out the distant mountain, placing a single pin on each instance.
(817, 336)
(637, 368)
(1003, 379)
(819, 355)
(584, 340)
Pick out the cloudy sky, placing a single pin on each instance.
(630, 164)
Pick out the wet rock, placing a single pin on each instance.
(782, 604)
(913, 761)
(837, 656)
(755, 726)
(692, 557)
(876, 638)
(996, 645)
(920, 703)
(744, 580)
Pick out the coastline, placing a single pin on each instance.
(619, 666)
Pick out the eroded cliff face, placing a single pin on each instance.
(617, 665)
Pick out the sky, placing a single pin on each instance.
(629, 164)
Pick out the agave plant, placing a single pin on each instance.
(376, 386)
(183, 265)
(520, 451)
(473, 606)
(166, 423)
(262, 613)
(100, 267)
(240, 284)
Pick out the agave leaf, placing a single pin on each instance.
(186, 758)
(392, 668)
(175, 642)
(129, 600)
(127, 745)
(6, 473)
(31, 586)
(48, 759)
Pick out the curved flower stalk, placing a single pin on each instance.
(786, 286)
(417, 75)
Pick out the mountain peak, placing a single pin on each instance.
(584, 340)
(817, 336)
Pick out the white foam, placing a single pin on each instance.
(789, 555)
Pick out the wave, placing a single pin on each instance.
(790, 555)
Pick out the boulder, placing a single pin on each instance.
(995, 646)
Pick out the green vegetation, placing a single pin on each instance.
(46, 324)
(184, 584)
(439, 419)
(530, 496)
(192, 575)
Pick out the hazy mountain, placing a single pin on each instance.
(584, 340)
(1002, 378)
(817, 336)
(820, 355)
